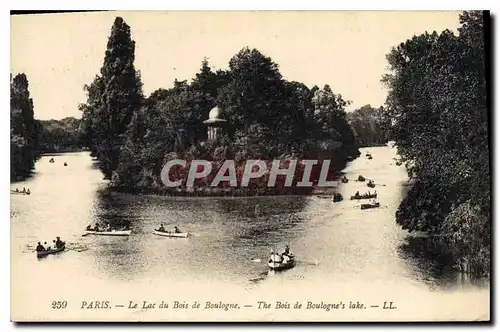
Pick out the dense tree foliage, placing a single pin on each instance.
(437, 98)
(60, 135)
(268, 117)
(370, 126)
(23, 129)
(113, 98)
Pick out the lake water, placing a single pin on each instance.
(345, 254)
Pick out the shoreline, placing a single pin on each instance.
(215, 194)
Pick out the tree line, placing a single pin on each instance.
(29, 137)
(370, 126)
(438, 104)
(132, 135)
(63, 135)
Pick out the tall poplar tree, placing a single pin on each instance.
(113, 98)
(23, 128)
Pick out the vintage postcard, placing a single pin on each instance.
(298, 166)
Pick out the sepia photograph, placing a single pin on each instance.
(250, 166)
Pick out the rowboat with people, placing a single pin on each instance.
(337, 197)
(112, 232)
(175, 232)
(45, 253)
(361, 178)
(45, 250)
(280, 262)
(364, 196)
(20, 192)
(170, 234)
(107, 231)
(371, 184)
(280, 266)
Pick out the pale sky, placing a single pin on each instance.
(60, 53)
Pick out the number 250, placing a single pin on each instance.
(59, 304)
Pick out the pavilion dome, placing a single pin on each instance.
(213, 116)
(214, 113)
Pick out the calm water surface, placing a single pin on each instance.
(338, 245)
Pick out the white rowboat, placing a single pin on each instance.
(170, 234)
(109, 233)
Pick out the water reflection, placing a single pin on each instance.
(226, 234)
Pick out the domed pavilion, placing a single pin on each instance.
(214, 123)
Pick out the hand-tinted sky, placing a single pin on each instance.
(60, 53)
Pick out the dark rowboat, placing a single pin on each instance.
(337, 198)
(345, 180)
(364, 196)
(20, 192)
(45, 253)
(361, 178)
(371, 184)
(369, 206)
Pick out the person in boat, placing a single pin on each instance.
(161, 228)
(176, 229)
(356, 194)
(39, 247)
(59, 243)
(28, 191)
(47, 247)
(89, 227)
(275, 257)
(17, 190)
(24, 189)
(96, 227)
(287, 252)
